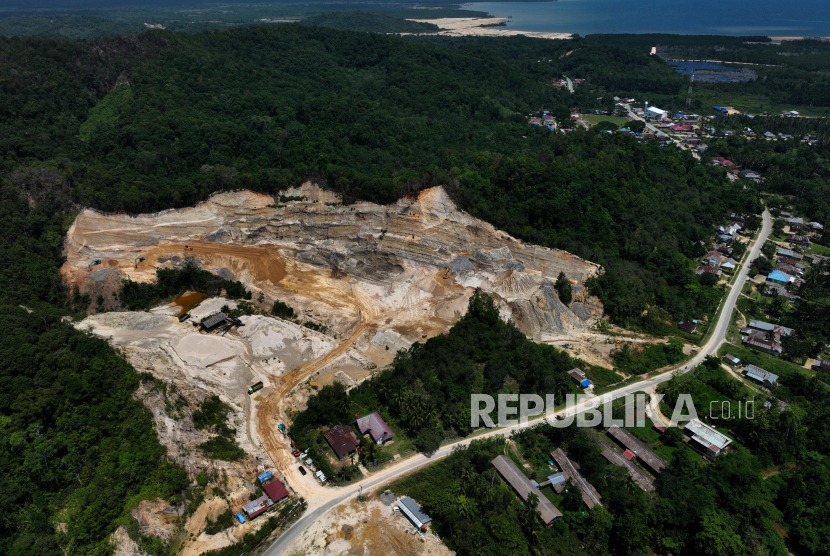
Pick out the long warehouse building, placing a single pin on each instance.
(655, 463)
(522, 485)
(589, 494)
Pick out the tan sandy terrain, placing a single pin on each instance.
(368, 528)
(378, 277)
(472, 26)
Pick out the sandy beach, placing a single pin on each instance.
(472, 26)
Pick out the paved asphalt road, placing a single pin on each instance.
(419, 460)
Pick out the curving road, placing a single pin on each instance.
(718, 335)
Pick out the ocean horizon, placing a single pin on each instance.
(802, 18)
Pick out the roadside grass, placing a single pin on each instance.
(651, 438)
(767, 362)
(817, 249)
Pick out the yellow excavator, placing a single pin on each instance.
(188, 248)
(447, 273)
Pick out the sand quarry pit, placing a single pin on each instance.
(369, 528)
(378, 278)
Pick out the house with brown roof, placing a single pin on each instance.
(342, 440)
(707, 269)
(767, 346)
(688, 327)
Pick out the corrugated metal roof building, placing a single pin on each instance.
(637, 474)
(214, 321)
(342, 440)
(256, 507)
(523, 487)
(579, 377)
(276, 491)
(655, 463)
(711, 440)
(589, 494)
(760, 375)
(413, 511)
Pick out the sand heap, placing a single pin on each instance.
(340, 263)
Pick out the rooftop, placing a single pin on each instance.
(413, 511)
(649, 458)
(522, 485)
(342, 440)
(375, 426)
(589, 494)
(275, 490)
(760, 374)
(707, 436)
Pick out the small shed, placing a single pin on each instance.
(731, 360)
(579, 377)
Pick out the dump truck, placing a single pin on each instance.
(255, 388)
(184, 317)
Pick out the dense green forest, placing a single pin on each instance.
(76, 447)
(373, 117)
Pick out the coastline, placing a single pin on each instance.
(472, 27)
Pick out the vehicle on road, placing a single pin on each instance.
(302, 470)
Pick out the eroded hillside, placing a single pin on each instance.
(335, 261)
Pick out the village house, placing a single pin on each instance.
(707, 269)
(342, 440)
(769, 327)
(579, 377)
(760, 376)
(688, 327)
(767, 346)
(731, 360)
(710, 440)
(375, 427)
(713, 258)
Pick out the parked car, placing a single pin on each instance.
(302, 470)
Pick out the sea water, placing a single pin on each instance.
(701, 17)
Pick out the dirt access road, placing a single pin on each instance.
(335, 496)
(272, 410)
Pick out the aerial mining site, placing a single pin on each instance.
(371, 279)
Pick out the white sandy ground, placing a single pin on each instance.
(472, 26)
